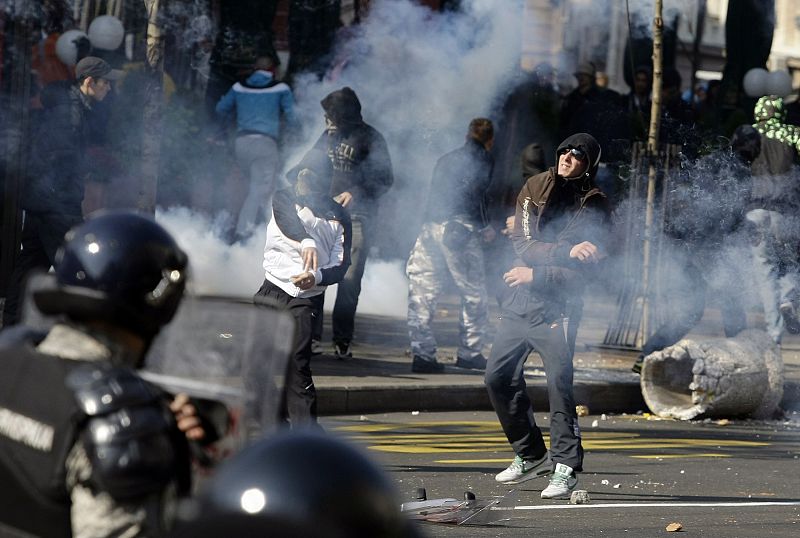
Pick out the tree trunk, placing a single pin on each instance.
(652, 152)
(151, 114)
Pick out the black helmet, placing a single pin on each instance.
(293, 485)
(119, 267)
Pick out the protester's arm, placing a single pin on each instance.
(485, 179)
(284, 211)
(340, 256)
(226, 103)
(287, 106)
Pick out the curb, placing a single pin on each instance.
(599, 397)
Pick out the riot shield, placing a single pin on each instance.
(229, 350)
(216, 349)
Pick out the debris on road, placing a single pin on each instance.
(579, 496)
(674, 527)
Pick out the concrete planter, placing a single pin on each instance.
(715, 377)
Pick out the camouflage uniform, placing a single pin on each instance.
(773, 219)
(430, 262)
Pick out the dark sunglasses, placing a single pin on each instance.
(577, 153)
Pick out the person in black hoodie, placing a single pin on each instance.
(362, 173)
(450, 244)
(560, 233)
(58, 169)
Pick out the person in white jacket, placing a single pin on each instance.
(307, 249)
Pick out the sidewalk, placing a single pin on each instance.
(379, 379)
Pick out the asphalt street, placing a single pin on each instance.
(716, 478)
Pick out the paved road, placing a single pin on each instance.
(734, 478)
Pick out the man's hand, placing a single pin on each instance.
(585, 252)
(509, 225)
(304, 281)
(518, 276)
(488, 234)
(344, 199)
(186, 417)
(310, 260)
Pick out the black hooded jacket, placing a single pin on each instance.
(553, 215)
(57, 162)
(358, 152)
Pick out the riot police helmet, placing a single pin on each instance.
(297, 484)
(119, 267)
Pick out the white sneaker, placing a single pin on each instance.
(562, 482)
(521, 470)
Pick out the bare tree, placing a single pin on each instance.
(652, 152)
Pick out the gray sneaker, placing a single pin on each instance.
(562, 482)
(521, 470)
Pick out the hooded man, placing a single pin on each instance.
(560, 233)
(362, 173)
(775, 206)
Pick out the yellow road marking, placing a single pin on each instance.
(442, 437)
(675, 456)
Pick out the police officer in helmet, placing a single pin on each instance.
(88, 448)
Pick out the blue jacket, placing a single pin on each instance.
(259, 102)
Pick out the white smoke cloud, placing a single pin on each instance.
(384, 290)
(421, 77)
(216, 267)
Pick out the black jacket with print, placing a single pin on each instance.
(553, 215)
(361, 166)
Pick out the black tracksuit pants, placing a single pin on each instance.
(299, 403)
(516, 337)
(348, 291)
